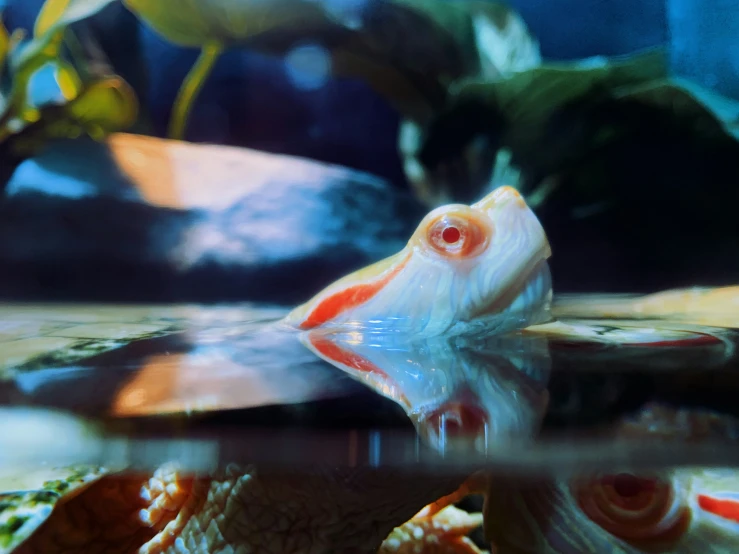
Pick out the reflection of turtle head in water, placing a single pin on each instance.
(483, 265)
(682, 510)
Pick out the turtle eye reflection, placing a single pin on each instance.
(457, 420)
(633, 508)
(457, 236)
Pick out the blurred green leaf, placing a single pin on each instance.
(105, 106)
(567, 121)
(194, 81)
(4, 42)
(409, 51)
(59, 84)
(28, 57)
(90, 102)
(53, 18)
(503, 46)
(193, 23)
(504, 42)
(706, 111)
(411, 69)
(67, 80)
(57, 14)
(452, 158)
(529, 97)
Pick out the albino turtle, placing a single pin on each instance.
(467, 271)
(466, 268)
(326, 510)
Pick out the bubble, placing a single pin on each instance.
(308, 66)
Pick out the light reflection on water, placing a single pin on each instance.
(620, 380)
(635, 390)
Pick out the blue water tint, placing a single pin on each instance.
(31, 176)
(571, 29)
(705, 43)
(43, 88)
(56, 171)
(29, 382)
(727, 495)
(20, 13)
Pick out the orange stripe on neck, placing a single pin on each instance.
(339, 302)
(344, 357)
(334, 352)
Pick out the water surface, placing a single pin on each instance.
(219, 384)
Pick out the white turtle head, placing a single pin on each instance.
(482, 265)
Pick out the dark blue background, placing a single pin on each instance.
(249, 100)
(669, 229)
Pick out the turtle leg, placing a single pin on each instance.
(444, 532)
(323, 510)
(440, 527)
(477, 483)
(171, 500)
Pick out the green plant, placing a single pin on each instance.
(90, 100)
(410, 51)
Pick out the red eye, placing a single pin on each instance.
(457, 236)
(450, 235)
(635, 509)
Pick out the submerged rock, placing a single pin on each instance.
(145, 219)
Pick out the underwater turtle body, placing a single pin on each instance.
(86, 510)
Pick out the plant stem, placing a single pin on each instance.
(190, 88)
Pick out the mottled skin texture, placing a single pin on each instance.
(242, 509)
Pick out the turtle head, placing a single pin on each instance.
(479, 264)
